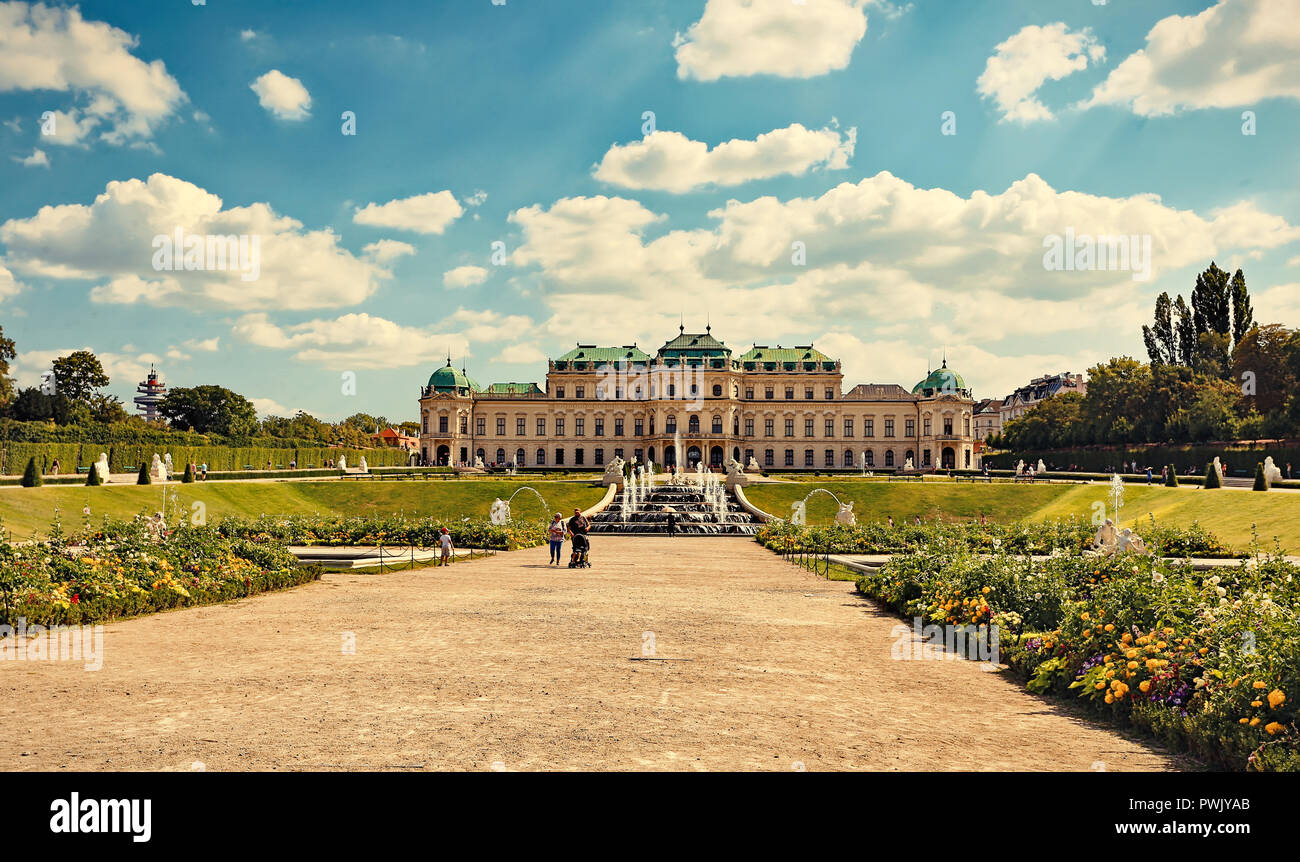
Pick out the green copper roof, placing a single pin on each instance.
(448, 379)
(942, 379)
(694, 344)
(600, 355)
(514, 389)
(806, 353)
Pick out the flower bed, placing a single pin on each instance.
(385, 530)
(1207, 662)
(1069, 535)
(121, 569)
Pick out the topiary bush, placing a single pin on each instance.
(1261, 483)
(189, 474)
(92, 477)
(1212, 478)
(143, 478)
(32, 475)
(1171, 477)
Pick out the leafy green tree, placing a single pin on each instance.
(1212, 417)
(31, 405)
(188, 476)
(7, 353)
(1184, 332)
(1211, 304)
(1161, 342)
(92, 477)
(209, 410)
(1243, 315)
(1261, 365)
(79, 375)
(32, 475)
(1118, 404)
(1171, 476)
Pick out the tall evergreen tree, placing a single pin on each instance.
(1185, 332)
(1161, 344)
(1211, 308)
(1243, 316)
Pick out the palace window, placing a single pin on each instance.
(789, 457)
(869, 458)
(808, 427)
(749, 393)
(967, 424)
(947, 425)
(695, 390)
(600, 455)
(789, 393)
(501, 456)
(559, 457)
(600, 427)
(807, 393)
(693, 425)
(559, 428)
(789, 427)
(519, 457)
(749, 427)
(767, 393)
(925, 457)
(481, 454)
(670, 424)
(480, 425)
(442, 424)
(769, 458)
(717, 391)
(925, 426)
(848, 457)
(578, 457)
(521, 426)
(579, 427)
(559, 392)
(889, 427)
(830, 457)
(909, 428)
(830, 394)
(638, 427)
(869, 428)
(717, 424)
(425, 427)
(749, 455)
(652, 423)
(967, 459)
(830, 427)
(848, 427)
(541, 426)
(501, 427)
(579, 391)
(768, 429)
(889, 458)
(618, 427)
(808, 458)
(540, 458)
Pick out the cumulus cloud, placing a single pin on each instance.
(120, 96)
(283, 96)
(111, 241)
(739, 38)
(464, 276)
(522, 354)
(1033, 56)
(385, 251)
(124, 369)
(426, 213)
(9, 286)
(37, 159)
(670, 161)
(364, 341)
(1238, 52)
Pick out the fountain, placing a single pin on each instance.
(701, 507)
(799, 509)
(506, 503)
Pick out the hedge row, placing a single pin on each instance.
(127, 457)
(1238, 459)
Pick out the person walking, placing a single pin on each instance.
(672, 524)
(578, 524)
(556, 535)
(447, 547)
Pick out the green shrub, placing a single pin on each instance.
(1212, 478)
(143, 477)
(92, 477)
(1171, 477)
(189, 473)
(32, 475)
(1261, 483)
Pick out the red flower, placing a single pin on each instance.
(76, 599)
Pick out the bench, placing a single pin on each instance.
(83, 469)
(248, 466)
(905, 478)
(972, 478)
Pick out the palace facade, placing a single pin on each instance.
(694, 400)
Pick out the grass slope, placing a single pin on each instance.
(28, 510)
(1228, 513)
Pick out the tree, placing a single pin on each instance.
(1161, 342)
(1261, 365)
(1243, 316)
(7, 354)
(1171, 477)
(143, 477)
(78, 376)
(32, 475)
(209, 410)
(1212, 477)
(188, 476)
(31, 405)
(92, 477)
(1184, 332)
(1211, 306)
(1261, 482)
(1118, 406)
(1211, 416)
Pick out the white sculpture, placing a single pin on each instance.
(101, 467)
(1020, 468)
(735, 474)
(799, 515)
(753, 464)
(343, 463)
(613, 473)
(167, 462)
(364, 467)
(1271, 472)
(500, 512)
(907, 465)
(845, 515)
(1218, 467)
(1130, 542)
(478, 461)
(157, 469)
(1042, 468)
(157, 525)
(1105, 540)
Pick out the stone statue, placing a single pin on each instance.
(157, 469)
(799, 514)
(1218, 467)
(907, 465)
(1271, 472)
(478, 462)
(845, 515)
(613, 472)
(735, 474)
(1105, 540)
(753, 465)
(1042, 468)
(1130, 542)
(1020, 468)
(343, 463)
(364, 467)
(167, 462)
(157, 525)
(500, 512)
(101, 467)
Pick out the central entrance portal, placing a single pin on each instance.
(693, 457)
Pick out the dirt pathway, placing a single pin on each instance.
(505, 663)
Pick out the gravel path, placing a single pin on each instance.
(504, 663)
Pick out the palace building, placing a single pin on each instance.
(694, 400)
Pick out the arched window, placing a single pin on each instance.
(848, 457)
(717, 424)
(717, 390)
(541, 458)
(501, 456)
(889, 458)
(519, 457)
(869, 458)
(693, 426)
(482, 454)
(670, 424)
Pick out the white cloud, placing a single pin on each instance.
(522, 354)
(426, 213)
(283, 96)
(37, 159)
(672, 162)
(1236, 53)
(1033, 56)
(476, 199)
(385, 251)
(270, 407)
(52, 49)
(464, 276)
(247, 35)
(124, 370)
(111, 241)
(205, 345)
(738, 38)
(352, 341)
(9, 286)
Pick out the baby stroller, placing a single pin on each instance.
(579, 558)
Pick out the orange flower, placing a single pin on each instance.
(1276, 698)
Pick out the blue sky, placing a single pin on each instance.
(522, 124)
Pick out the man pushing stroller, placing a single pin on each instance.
(578, 527)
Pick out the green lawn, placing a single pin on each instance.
(28, 510)
(1228, 513)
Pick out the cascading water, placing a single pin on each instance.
(702, 507)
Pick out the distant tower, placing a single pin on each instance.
(151, 392)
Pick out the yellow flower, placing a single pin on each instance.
(1257, 703)
(1084, 616)
(1258, 684)
(1110, 698)
(1276, 698)
(1110, 627)
(1273, 728)
(1244, 721)
(1132, 665)
(1254, 722)
(1145, 686)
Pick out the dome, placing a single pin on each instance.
(448, 379)
(942, 379)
